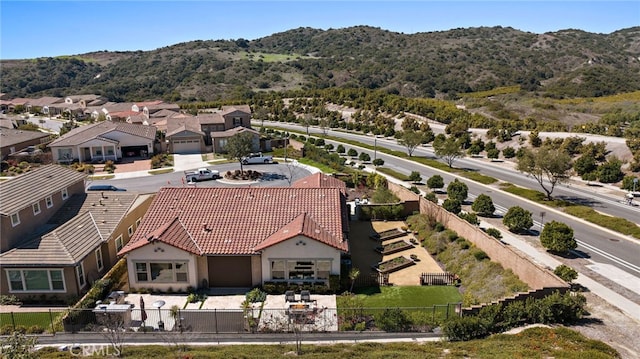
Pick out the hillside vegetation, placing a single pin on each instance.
(446, 64)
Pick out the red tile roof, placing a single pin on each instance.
(237, 220)
(320, 180)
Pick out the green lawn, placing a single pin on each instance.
(411, 296)
(28, 319)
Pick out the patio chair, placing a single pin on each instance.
(305, 296)
(289, 296)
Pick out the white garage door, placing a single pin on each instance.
(186, 146)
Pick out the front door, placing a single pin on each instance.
(87, 154)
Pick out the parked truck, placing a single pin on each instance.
(201, 174)
(255, 158)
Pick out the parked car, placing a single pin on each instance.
(201, 174)
(256, 158)
(104, 187)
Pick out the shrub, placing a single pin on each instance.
(495, 233)
(464, 328)
(457, 190)
(558, 237)
(435, 182)
(414, 189)
(517, 219)
(509, 152)
(431, 197)
(483, 205)
(378, 162)
(480, 255)
(452, 205)
(415, 177)
(566, 273)
(35, 329)
(256, 295)
(352, 152)
(470, 217)
(393, 320)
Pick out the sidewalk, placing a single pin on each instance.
(544, 259)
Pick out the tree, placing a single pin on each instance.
(435, 182)
(558, 237)
(452, 205)
(493, 153)
(449, 150)
(610, 172)
(508, 152)
(534, 139)
(340, 149)
(548, 166)
(517, 219)
(410, 139)
(19, 346)
(364, 157)
(483, 205)
(415, 177)
(628, 183)
(239, 146)
(352, 152)
(378, 162)
(457, 190)
(585, 164)
(566, 273)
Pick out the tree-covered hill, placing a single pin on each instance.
(567, 63)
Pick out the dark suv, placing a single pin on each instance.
(104, 187)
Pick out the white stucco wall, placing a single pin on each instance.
(312, 249)
(149, 253)
(126, 139)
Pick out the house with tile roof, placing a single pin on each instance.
(103, 141)
(57, 239)
(213, 130)
(238, 237)
(13, 140)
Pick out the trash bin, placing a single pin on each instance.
(161, 325)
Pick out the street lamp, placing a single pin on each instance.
(159, 304)
(542, 220)
(375, 148)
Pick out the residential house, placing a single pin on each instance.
(31, 199)
(104, 140)
(184, 135)
(45, 105)
(13, 140)
(238, 237)
(72, 243)
(214, 128)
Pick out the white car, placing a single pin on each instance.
(255, 158)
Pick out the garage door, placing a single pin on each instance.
(186, 146)
(230, 271)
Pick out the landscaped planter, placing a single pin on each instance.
(394, 264)
(394, 247)
(388, 234)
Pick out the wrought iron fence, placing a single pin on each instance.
(307, 319)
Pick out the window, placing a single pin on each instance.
(119, 243)
(82, 281)
(36, 208)
(308, 269)
(99, 259)
(162, 272)
(49, 201)
(141, 272)
(277, 269)
(65, 194)
(15, 219)
(138, 222)
(40, 280)
(130, 231)
(237, 121)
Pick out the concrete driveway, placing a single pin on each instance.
(183, 162)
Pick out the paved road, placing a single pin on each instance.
(280, 175)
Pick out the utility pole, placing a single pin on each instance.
(375, 148)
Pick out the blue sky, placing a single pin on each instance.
(30, 29)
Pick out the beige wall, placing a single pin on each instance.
(159, 252)
(70, 282)
(228, 119)
(122, 229)
(535, 276)
(11, 236)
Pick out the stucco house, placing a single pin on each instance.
(207, 131)
(13, 140)
(238, 237)
(57, 239)
(103, 141)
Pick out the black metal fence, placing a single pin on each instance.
(231, 320)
